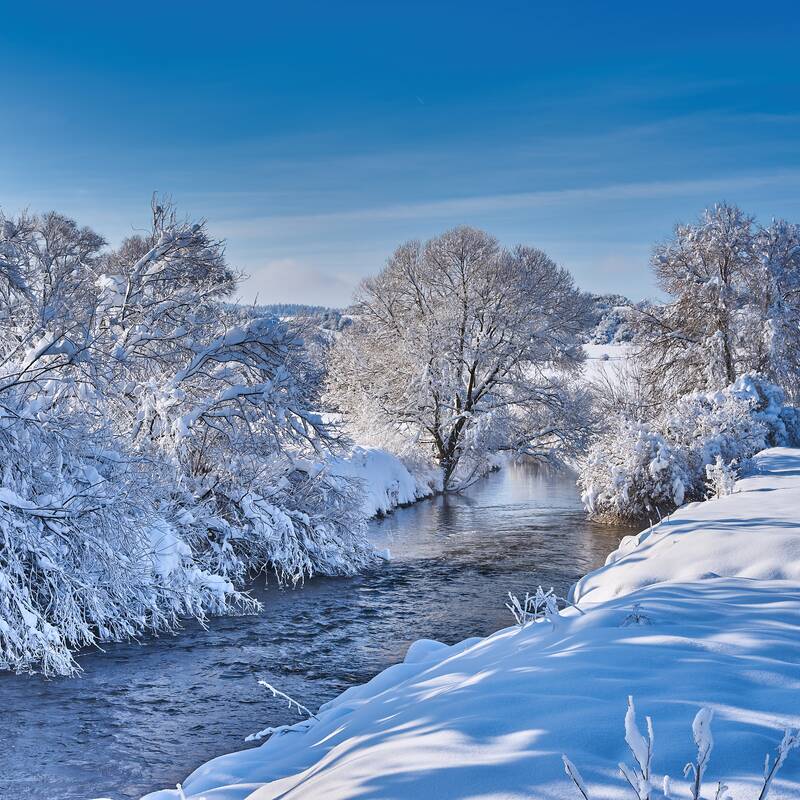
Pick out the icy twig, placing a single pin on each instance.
(701, 730)
(791, 740)
(292, 702)
(576, 777)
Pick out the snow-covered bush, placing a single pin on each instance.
(727, 424)
(158, 443)
(637, 470)
(721, 477)
(537, 607)
(632, 472)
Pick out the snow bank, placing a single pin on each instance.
(753, 533)
(702, 611)
(386, 480)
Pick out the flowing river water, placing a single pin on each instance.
(142, 716)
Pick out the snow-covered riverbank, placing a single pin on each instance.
(702, 611)
(386, 480)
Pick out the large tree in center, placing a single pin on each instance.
(461, 349)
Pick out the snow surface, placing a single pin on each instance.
(603, 360)
(386, 480)
(702, 611)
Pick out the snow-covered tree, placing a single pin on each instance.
(228, 397)
(735, 307)
(160, 444)
(460, 349)
(773, 327)
(692, 342)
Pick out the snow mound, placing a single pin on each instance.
(387, 482)
(752, 533)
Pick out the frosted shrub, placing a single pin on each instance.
(534, 607)
(704, 426)
(636, 470)
(632, 472)
(721, 477)
(541, 605)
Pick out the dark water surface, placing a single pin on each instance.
(143, 716)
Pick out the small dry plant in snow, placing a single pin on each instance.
(542, 605)
(639, 777)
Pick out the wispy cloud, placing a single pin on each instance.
(462, 207)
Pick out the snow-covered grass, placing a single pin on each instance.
(604, 359)
(700, 612)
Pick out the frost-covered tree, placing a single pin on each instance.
(735, 307)
(460, 349)
(227, 396)
(692, 343)
(159, 444)
(773, 325)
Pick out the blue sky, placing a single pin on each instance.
(316, 137)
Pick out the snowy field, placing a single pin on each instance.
(604, 360)
(703, 611)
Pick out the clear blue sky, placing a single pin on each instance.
(316, 137)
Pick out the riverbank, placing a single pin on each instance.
(702, 611)
(387, 482)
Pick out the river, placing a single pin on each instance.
(142, 716)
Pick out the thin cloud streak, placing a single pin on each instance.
(466, 206)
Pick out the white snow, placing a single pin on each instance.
(604, 360)
(701, 612)
(386, 480)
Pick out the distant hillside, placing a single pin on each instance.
(327, 318)
(611, 319)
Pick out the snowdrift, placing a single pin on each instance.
(385, 480)
(703, 610)
(753, 533)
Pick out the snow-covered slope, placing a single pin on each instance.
(387, 481)
(703, 611)
(753, 533)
